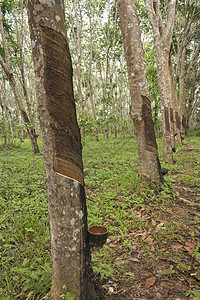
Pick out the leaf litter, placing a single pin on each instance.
(162, 260)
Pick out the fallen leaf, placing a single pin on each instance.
(153, 222)
(112, 237)
(135, 260)
(188, 249)
(160, 225)
(112, 245)
(175, 223)
(140, 234)
(163, 249)
(189, 246)
(149, 239)
(130, 274)
(152, 248)
(177, 247)
(162, 221)
(150, 282)
(133, 247)
(144, 237)
(197, 257)
(122, 262)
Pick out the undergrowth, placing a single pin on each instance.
(111, 183)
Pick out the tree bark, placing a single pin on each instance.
(62, 151)
(149, 165)
(5, 121)
(163, 39)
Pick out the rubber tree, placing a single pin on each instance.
(62, 150)
(5, 119)
(5, 64)
(186, 49)
(6, 114)
(162, 31)
(149, 165)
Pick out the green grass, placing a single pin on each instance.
(24, 224)
(111, 182)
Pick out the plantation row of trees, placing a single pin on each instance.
(103, 91)
(170, 35)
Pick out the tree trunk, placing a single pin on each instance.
(113, 105)
(5, 113)
(149, 165)
(5, 122)
(162, 32)
(165, 96)
(30, 129)
(62, 151)
(6, 68)
(76, 25)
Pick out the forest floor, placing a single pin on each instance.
(162, 260)
(159, 258)
(153, 247)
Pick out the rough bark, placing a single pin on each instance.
(149, 166)
(62, 150)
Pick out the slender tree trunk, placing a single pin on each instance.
(92, 101)
(5, 112)
(192, 101)
(6, 67)
(90, 83)
(20, 36)
(13, 111)
(30, 129)
(76, 25)
(113, 105)
(104, 86)
(62, 150)
(163, 40)
(5, 121)
(149, 165)
(165, 96)
(173, 105)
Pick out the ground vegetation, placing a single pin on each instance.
(152, 251)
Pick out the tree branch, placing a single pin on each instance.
(171, 12)
(153, 12)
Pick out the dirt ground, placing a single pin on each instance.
(163, 261)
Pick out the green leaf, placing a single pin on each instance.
(196, 294)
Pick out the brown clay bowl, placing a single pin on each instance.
(97, 235)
